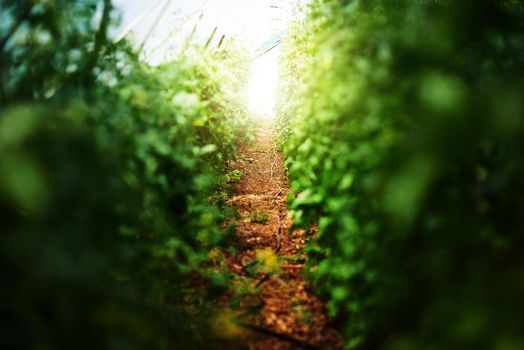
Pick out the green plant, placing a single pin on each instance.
(403, 131)
(234, 175)
(259, 216)
(106, 165)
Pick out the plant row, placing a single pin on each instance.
(402, 122)
(108, 175)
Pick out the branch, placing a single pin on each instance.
(284, 337)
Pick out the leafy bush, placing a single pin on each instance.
(107, 167)
(404, 133)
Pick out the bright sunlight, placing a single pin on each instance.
(262, 84)
(259, 24)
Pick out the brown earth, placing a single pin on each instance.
(280, 309)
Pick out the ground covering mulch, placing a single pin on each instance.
(281, 311)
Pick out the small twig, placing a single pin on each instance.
(264, 279)
(284, 337)
(275, 154)
(275, 196)
(277, 233)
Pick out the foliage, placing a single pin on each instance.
(402, 123)
(234, 175)
(106, 168)
(259, 216)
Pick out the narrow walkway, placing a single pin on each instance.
(286, 312)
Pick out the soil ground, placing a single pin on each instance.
(269, 259)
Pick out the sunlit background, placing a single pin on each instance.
(262, 84)
(162, 27)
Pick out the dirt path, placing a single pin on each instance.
(286, 313)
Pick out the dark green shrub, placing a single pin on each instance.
(106, 170)
(404, 142)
